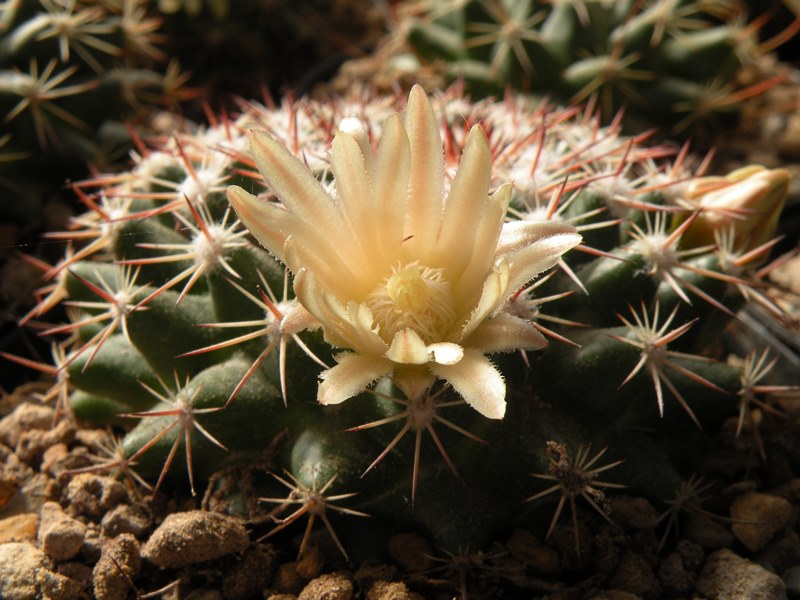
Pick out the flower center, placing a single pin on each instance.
(413, 296)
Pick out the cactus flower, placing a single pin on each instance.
(407, 273)
(747, 201)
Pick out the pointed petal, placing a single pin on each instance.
(425, 190)
(477, 380)
(537, 248)
(445, 353)
(467, 202)
(504, 333)
(356, 199)
(293, 183)
(408, 348)
(494, 293)
(482, 248)
(348, 378)
(392, 168)
(261, 218)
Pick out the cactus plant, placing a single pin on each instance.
(72, 74)
(396, 267)
(673, 63)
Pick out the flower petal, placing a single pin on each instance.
(348, 378)
(504, 333)
(477, 380)
(261, 217)
(494, 293)
(482, 248)
(534, 247)
(408, 348)
(468, 203)
(445, 353)
(293, 183)
(426, 184)
(390, 182)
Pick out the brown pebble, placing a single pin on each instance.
(195, 536)
(25, 417)
(333, 586)
(396, 590)
(32, 444)
(634, 575)
(310, 564)
(125, 519)
(252, 574)
(60, 536)
(758, 517)
(411, 552)
(524, 547)
(707, 533)
(287, 580)
(94, 495)
(675, 578)
(634, 513)
(726, 576)
(119, 565)
(19, 528)
(26, 574)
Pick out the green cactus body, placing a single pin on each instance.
(189, 325)
(652, 57)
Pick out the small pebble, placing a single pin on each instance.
(791, 579)
(634, 513)
(194, 536)
(94, 495)
(19, 528)
(758, 517)
(60, 536)
(252, 574)
(26, 574)
(707, 533)
(634, 575)
(411, 552)
(524, 547)
(125, 519)
(119, 564)
(727, 576)
(334, 586)
(397, 590)
(25, 417)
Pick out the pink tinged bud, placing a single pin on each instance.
(746, 205)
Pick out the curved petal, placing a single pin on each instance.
(293, 183)
(261, 217)
(494, 294)
(482, 247)
(477, 380)
(390, 183)
(467, 202)
(408, 348)
(504, 333)
(426, 178)
(348, 378)
(539, 256)
(355, 196)
(445, 353)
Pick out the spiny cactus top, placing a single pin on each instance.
(410, 242)
(410, 282)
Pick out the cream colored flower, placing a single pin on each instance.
(410, 280)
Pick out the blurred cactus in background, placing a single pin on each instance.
(675, 64)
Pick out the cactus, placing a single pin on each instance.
(72, 75)
(672, 63)
(386, 350)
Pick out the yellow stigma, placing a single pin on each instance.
(413, 296)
